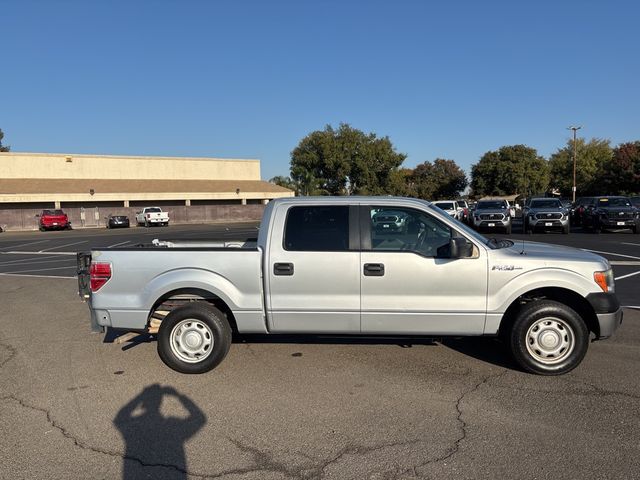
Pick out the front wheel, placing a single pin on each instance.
(565, 230)
(548, 338)
(194, 338)
(507, 230)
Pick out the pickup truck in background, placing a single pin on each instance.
(152, 216)
(321, 266)
(53, 220)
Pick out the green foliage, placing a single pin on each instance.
(283, 181)
(592, 161)
(435, 181)
(345, 161)
(4, 148)
(622, 174)
(513, 169)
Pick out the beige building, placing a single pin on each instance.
(71, 178)
(191, 189)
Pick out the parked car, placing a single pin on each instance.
(54, 220)
(546, 214)
(117, 221)
(388, 221)
(635, 201)
(152, 216)
(493, 215)
(451, 207)
(611, 212)
(578, 209)
(319, 266)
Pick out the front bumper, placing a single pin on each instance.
(548, 223)
(608, 311)
(611, 222)
(609, 323)
(492, 223)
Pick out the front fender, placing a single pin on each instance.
(502, 294)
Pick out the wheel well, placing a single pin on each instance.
(177, 298)
(561, 295)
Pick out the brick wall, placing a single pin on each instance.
(25, 218)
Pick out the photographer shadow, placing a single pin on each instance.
(154, 443)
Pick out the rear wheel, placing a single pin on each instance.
(194, 338)
(548, 338)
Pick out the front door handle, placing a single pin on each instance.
(374, 269)
(285, 269)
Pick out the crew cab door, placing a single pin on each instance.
(314, 270)
(407, 288)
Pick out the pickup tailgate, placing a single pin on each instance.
(140, 277)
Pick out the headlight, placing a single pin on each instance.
(605, 280)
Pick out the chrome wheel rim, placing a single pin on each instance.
(191, 340)
(550, 340)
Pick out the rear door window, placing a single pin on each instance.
(317, 229)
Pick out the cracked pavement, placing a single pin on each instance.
(304, 409)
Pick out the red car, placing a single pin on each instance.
(54, 220)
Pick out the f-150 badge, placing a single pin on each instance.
(505, 268)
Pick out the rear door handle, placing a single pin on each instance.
(374, 269)
(285, 269)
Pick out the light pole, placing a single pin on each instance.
(575, 129)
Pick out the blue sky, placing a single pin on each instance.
(250, 79)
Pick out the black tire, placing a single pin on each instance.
(146, 224)
(635, 229)
(507, 230)
(558, 322)
(565, 230)
(207, 324)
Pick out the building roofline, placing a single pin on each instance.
(135, 157)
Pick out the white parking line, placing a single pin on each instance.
(634, 244)
(25, 244)
(33, 276)
(62, 246)
(38, 253)
(611, 253)
(628, 275)
(628, 263)
(118, 244)
(36, 261)
(44, 269)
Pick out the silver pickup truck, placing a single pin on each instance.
(321, 266)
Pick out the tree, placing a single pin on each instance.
(285, 182)
(434, 181)
(513, 169)
(622, 174)
(592, 160)
(345, 161)
(5, 148)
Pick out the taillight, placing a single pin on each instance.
(100, 273)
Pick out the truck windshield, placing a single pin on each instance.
(490, 205)
(545, 203)
(152, 210)
(613, 202)
(445, 205)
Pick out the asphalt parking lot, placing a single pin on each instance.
(75, 406)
